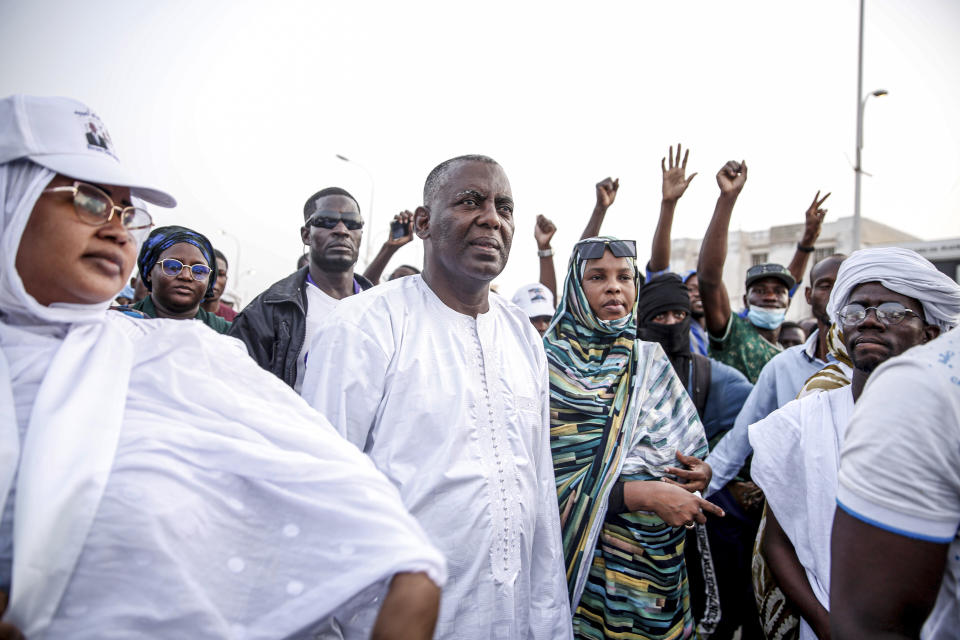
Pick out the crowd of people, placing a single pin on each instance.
(617, 454)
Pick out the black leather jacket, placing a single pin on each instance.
(274, 324)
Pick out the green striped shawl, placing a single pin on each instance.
(616, 408)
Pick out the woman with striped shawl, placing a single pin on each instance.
(619, 419)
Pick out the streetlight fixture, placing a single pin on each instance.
(369, 220)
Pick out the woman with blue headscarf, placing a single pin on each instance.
(174, 265)
(619, 420)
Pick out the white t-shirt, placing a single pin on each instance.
(900, 462)
(319, 306)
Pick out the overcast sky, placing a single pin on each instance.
(238, 108)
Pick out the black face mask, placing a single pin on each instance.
(674, 338)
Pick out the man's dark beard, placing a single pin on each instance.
(336, 264)
(867, 367)
(696, 314)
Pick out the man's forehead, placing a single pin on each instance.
(483, 177)
(875, 289)
(335, 202)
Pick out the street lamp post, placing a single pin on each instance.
(369, 220)
(858, 168)
(861, 105)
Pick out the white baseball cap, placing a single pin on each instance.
(535, 300)
(66, 136)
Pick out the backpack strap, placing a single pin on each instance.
(700, 382)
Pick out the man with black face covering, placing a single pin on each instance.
(718, 391)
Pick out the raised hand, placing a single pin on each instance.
(814, 220)
(406, 218)
(731, 177)
(543, 231)
(674, 182)
(607, 192)
(697, 475)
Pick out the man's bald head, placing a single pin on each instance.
(436, 178)
(829, 264)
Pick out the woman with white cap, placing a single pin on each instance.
(154, 481)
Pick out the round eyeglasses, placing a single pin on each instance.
(96, 208)
(173, 268)
(889, 313)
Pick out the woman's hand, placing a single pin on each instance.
(675, 506)
(697, 475)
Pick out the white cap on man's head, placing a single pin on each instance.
(66, 136)
(535, 300)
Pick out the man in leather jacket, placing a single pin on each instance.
(277, 326)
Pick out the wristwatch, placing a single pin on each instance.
(809, 249)
(545, 253)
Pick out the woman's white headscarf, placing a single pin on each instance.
(168, 482)
(902, 271)
(21, 183)
(87, 383)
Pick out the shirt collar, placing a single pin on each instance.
(810, 346)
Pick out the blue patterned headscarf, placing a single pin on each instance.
(161, 239)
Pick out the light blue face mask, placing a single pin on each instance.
(766, 318)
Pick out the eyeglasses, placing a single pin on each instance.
(330, 219)
(173, 268)
(96, 208)
(593, 249)
(889, 313)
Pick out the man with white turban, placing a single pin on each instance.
(886, 301)
(895, 550)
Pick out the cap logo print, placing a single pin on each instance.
(536, 295)
(95, 133)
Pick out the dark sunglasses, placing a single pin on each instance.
(173, 268)
(593, 249)
(330, 219)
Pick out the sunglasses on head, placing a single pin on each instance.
(593, 249)
(330, 219)
(173, 268)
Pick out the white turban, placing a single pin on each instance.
(902, 271)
